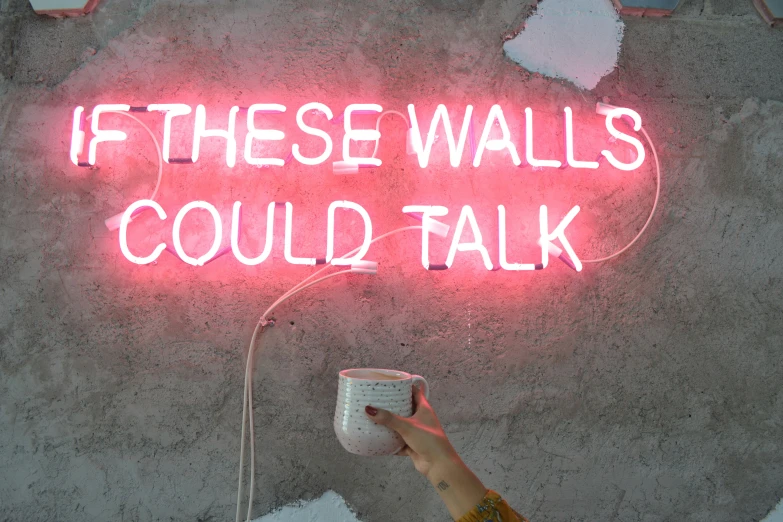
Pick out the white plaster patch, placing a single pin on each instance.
(329, 508)
(776, 515)
(578, 40)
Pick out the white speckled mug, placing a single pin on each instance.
(387, 389)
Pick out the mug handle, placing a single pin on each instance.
(422, 382)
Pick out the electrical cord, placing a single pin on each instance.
(352, 252)
(154, 140)
(652, 212)
(247, 402)
(247, 408)
(378, 126)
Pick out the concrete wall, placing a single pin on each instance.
(648, 388)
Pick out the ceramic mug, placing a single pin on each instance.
(387, 389)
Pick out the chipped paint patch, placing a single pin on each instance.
(331, 507)
(776, 515)
(578, 40)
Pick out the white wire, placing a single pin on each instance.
(652, 212)
(247, 402)
(260, 327)
(352, 252)
(378, 126)
(154, 140)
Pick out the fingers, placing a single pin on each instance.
(419, 400)
(386, 418)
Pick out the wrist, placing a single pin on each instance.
(458, 487)
(446, 466)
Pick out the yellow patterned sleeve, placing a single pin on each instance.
(492, 509)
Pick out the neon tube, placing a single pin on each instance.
(126, 219)
(423, 150)
(475, 245)
(543, 229)
(200, 131)
(637, 125)
(496, 113)
(261, 134)
(529, 144)
(77, 135)
(236, 222)
(559, 233)
(171, 110)
(330, 233)
(104, 135)
(569, 144)
(289, 217)
(359, 134)
(427, 211)
(505, 265)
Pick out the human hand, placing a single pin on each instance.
(433, 455)
(425, 441)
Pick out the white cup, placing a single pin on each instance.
(387, 389)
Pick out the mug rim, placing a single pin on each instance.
(405, 375)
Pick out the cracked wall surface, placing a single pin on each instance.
(648, 388)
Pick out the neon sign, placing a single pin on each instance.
(416, 144)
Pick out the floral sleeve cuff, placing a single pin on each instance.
(492, 509)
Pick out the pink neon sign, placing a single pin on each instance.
(260, 122)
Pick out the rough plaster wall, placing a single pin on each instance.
(645, 389)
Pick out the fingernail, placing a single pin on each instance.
(372, 412)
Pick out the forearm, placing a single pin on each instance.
(458, 487)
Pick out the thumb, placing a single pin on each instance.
(388, 419)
